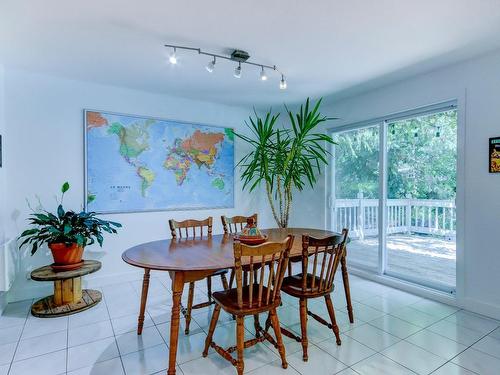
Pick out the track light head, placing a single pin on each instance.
(173, 57)
(211, 66)
(283, 83)
(237, 71)
(263, 75)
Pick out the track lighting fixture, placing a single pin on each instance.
(283, 83)
(211, 66)
(173, 57)
(239, 56)
(237, 71)
(263, 75)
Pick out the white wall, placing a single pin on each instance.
(476, 86)
(2, 180)
(45, 148)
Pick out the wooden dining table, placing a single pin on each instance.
(193, 259)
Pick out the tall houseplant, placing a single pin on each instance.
(287, 158)
(65, 232)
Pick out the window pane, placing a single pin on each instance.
(355, 203)
(421, 190)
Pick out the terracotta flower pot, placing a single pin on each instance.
(66, 257)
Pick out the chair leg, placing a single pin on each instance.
(189, 307)
(240, 343)
(209, 288)
(256, 324)
(225, 285)
(331, 312)
(277, 331)
(211, 329)
(347, 290)
(303, 327)
(231, 279)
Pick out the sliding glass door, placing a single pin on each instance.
(394, 187)
(355, 203)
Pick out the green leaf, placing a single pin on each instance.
(60, 211)
(65, 187)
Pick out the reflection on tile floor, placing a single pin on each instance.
(394, 333)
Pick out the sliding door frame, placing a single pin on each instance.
(382, 123)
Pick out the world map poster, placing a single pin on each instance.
(144, 164)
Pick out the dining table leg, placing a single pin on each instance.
(347, 290)
(177, 288)
(144, 297)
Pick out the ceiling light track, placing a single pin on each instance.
(238, 56)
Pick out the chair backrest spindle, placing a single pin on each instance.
(273, 254)
(235, 224)
(182, 227)
(326, 254)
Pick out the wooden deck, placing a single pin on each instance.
(419, 256)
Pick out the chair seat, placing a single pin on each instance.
(292, 285)
(228, 300)
(220, 272)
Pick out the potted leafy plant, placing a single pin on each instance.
(66, 233)
(285, 159)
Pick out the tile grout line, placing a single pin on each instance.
(19, 339)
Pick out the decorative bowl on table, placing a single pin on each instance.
(251, 235)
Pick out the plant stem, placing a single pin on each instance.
(270, 199)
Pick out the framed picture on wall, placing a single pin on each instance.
(495, 155)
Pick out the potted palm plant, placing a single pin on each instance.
(66, 233)
(285, 159)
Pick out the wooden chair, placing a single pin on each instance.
(188, 229)
(320, 260)
(235, 224)
(261, 294)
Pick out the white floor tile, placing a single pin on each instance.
(495, 334)
(93, 315)
(87, 354)
(274, 368)
(319, 362)
(372, 337)
(38, 326)
(4, 369)
(380, 365)
(41, 345)
(11, 334)
(455, 332)
(289, 315)
(128, 323)
(212, 364)
(383, 303)
(349, 352)
(415, 317)
(489, 345)
(413, 357)
(316, 332)
(395, 326)
(7, 353)
(434, 308)
(131, 342)
(109, 367)
(7, 321)
(473, 321)
(437, 344)
(479, 362)
(92, 332)
(347, 371)
(164, 329)
(47, 364)
(452, 369)
(146, 361)
(257, 356)
(363, 312)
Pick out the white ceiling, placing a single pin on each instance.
(323, 46)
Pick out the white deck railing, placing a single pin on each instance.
(427, 216)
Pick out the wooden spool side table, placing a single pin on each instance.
(69, 297)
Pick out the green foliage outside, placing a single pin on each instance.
(422, 157)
